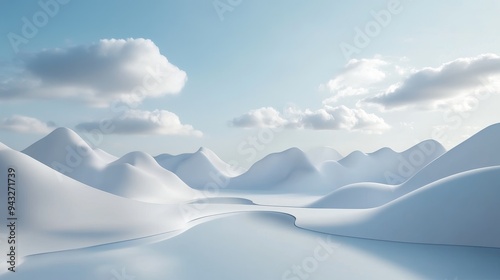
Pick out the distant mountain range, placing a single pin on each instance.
(168, 177)
(422, 195)
(358, 180)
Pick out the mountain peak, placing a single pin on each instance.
(137, 158)
(203, 150)
(353, 159)
(64, 135)
(490, 132)
(294, 157)
(382, 153)
(61, 145)
(318, 155)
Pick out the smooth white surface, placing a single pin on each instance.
(440, 223)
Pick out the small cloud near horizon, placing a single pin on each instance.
(326, 118)
(25, 124)
(159, 122)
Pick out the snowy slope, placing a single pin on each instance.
(3, 146)
(293, 171)
(56, 212)
(289, 170)
(480, 150)
(136, 175)
(382, 166)
(318, 155)
(66, 150)
(462, 209)
(104, 155)
(197, 169)
(476, 152)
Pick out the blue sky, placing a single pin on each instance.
(243, 75)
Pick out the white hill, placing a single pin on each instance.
(289, 170)
(476, 152)
(67, 150)
(382, 166)
(59, 213)
(197, 169)
(136, 175)
(318, 155)
(353, 159)
(461, 209)
(3, 146)
(104, 155)
(293, 171)
(480, 150)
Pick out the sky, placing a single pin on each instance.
(248, 78)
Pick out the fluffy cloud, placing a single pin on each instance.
(356, 78)
(111, 70)
(24, 124)
(143, 122)
(327, 118)
(444, 86)
(263, 117)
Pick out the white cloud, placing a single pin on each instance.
(263, 117)
(356, 78)
(448, 86)
(111, 70)
(144, 122)
(24, 124)
(326, 118)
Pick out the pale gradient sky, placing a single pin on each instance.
(431, 70)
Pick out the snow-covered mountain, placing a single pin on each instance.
(197, 169)
(64, 149)
(381, 166)
(136, 175)
(289, 170)
(293, 171)
(476, 152)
